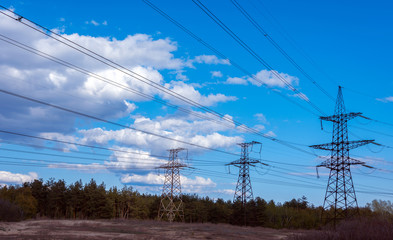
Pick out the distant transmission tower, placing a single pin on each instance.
(243, 192)
(171, 205)
(340, 195)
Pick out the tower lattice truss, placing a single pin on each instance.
(171, 204)
(340, 198)
(243, 192)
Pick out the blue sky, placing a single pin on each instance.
(335, 43)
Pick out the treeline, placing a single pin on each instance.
(54, 199)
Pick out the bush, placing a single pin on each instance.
(380, 228)
(10, 212)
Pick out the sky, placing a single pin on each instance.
(123, 93)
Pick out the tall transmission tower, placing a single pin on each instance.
(171, 205)
(243, 192)
(340, 198)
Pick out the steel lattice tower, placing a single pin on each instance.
(171, 205)
(243, 191)
(340, 194)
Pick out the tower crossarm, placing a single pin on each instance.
(240, 162)
(169, 165)
(332, 164)
(341, 117)
(349, 144)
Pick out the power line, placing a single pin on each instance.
(115, 150)
(221, 116)
(111, 122)
(122, 151)
(254, 54)
(282, 183)
(220, 54)
(154, 158)
(373, 131)
(277, 46)
(40, 163)
(104, 79)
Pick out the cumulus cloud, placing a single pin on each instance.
(61, 137)
(189, 185)
(236, 81)
(132, 159)
(92, 22)
(265, 77)
(261, 118)
(17, 178)
(259, 127)
(270, 134)
(39, 78)
(90, 168)
(195, 131)
(217, 74)
(210, 59)
(191, 93)
(270, 79)
(122, 160)
(386, 99)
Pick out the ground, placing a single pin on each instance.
(133, 229)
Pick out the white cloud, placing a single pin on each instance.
(236, 81)
(386, 99)
(226, 191)
(94, 23)
(260, 117)
(151, 178)
(134, 50)
(265, 77)
(189, 91)
(189, 185)
(271, 79)
(17, 178)
(51, 82)
(259, 127)
(95, 88)
(180, 76)
(182, 128)
(90, 168)
(216, 74)
(132, 159)
(210, 59)
(270, 134)
(60, 137)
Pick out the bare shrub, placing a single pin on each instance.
(10, 212)
(380, 228)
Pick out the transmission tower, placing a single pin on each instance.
(243, 191)
(171, 205)
(340, 198)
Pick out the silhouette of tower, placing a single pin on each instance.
(171, 205)
(340, 198)
(243, 191)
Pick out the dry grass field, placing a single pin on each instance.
(133, 229)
